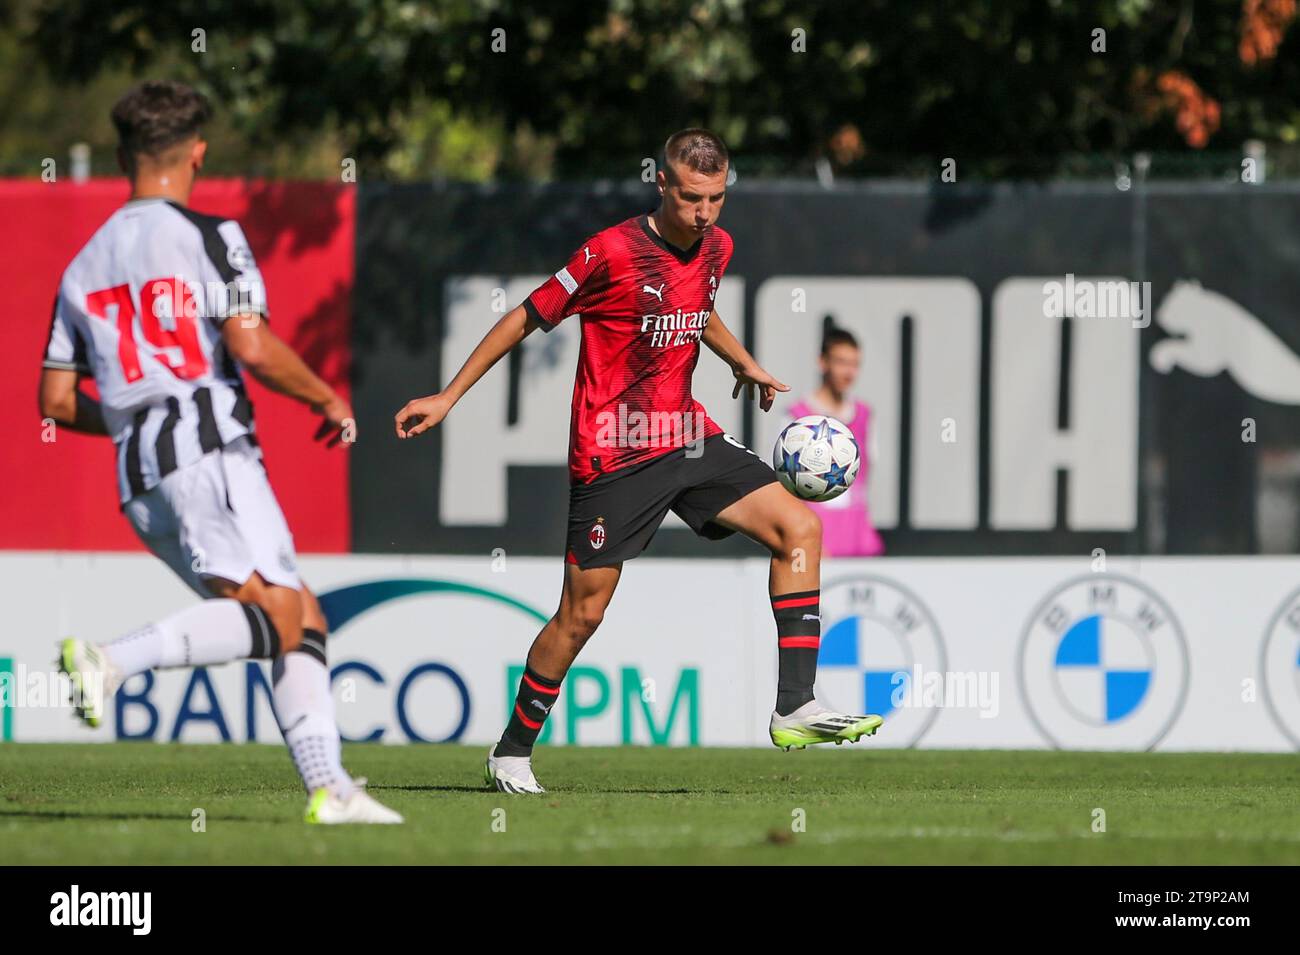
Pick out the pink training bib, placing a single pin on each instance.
(847, 530)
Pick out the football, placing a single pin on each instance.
(816, 458)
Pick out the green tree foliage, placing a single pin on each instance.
(475, 88)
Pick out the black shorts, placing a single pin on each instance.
(615, 517)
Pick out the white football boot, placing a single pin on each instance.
(814, 723)
(94, 678)
(326, 809)
(511, 774)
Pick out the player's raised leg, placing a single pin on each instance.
(583, 601)
(221, 553)
(792, 533)
(210, 632)
(240, 557)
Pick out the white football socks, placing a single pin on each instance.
(211, 631)
(305, 706)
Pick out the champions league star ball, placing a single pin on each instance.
(816, 458)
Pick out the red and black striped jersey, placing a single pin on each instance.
(643, 305)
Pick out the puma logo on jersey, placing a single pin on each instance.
(586, 250)
(656, 292)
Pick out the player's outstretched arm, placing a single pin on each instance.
(65, 403)
(277, 366)
(747, 371)
(420, 414)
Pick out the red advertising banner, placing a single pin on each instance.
(61, 495)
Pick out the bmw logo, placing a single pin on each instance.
(875, 633)
(1103, 665)
(1280, 668)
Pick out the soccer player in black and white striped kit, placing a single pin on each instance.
(163, 307)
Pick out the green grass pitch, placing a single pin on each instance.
(135, 803)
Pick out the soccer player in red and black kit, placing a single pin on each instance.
(641, 445)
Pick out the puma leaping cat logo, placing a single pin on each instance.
(656, 292)
(1215, 334)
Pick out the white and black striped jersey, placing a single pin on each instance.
(141, 308)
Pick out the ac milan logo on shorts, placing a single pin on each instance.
(597, 534)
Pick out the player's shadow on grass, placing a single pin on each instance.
(654, 792)
(573, 792)
(371, 787)
(64, 815)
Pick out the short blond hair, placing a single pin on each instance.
(696, 149)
